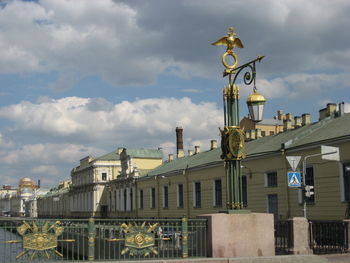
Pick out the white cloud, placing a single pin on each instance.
(88, 37)
(99, 122)
(45, 169)
(46, 153)
(133, 42)
(192, 90)
(4, 143)
(300, 85)
(71, 128)
(11, 180)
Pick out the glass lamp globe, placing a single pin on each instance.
(256, 104)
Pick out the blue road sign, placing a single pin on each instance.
(294, 179)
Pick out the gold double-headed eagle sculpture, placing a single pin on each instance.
(230, 41)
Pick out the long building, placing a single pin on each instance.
(6, 193)
(196, 184)
(89, 192)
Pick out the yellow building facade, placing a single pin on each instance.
(89, 193)
(143, 185)
(194, 185)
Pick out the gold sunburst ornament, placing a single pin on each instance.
(139, 239)
(39, 239)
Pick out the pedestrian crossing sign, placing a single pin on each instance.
(294, 179)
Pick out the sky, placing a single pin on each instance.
(84, 77)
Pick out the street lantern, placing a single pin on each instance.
(232, 136)
(256, 104)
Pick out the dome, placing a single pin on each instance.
(26, 182)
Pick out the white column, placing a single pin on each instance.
(88, 201)
(122, 200)
(117, 199)
(94, 200)
(128, 204)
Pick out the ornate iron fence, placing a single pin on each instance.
(328, 237)
(23, 240)
(283, 237)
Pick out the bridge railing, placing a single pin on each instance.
(24, 240)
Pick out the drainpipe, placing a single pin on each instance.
(185, 173)
(158, 197)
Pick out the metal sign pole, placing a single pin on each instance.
(304, 175)
(304, 184)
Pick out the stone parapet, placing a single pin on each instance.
(301, 236)
(240, 235)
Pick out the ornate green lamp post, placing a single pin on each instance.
(232, 136)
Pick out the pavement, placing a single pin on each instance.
(330, 258)
(337, 258)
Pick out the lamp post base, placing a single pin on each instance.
(240, 235)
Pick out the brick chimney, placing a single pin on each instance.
(247, 135)
(197, 149)
(341, 109)
(252, 134)
(297, 121)
(331, 109)
(179, 142)
(305, 119)
(322, 114)
(289, 116)
(287, 125)
(280, 115)
(213, 144)
(258, 133)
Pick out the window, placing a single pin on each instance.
(217, 193)
(153, 198)
(309, 180)
(165, 196)
(272, 133)
(197, 194)
(271, 179)
(180, 195)
(104, 176)
(141, 199)
(346, 181)
(263, 133)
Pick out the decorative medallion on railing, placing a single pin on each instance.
(39, 239)
(139, 239)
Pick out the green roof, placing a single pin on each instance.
(188, 162)
(136, 153)
(323, 131)
(145, 153)
(112, 156)
(56, 191)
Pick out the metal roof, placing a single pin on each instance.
(112, 156)
(145, 153)
(326, 130)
